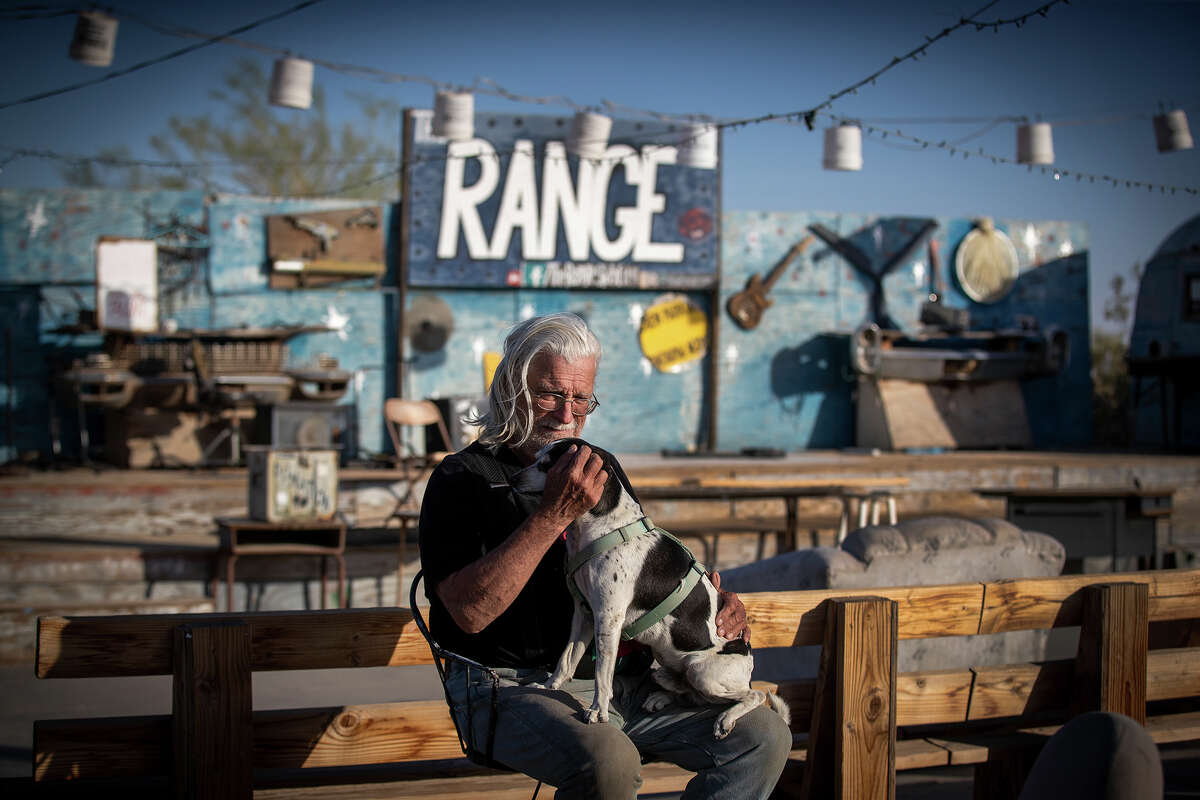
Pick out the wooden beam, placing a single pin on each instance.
(853, 734)
(1110, 666)
(82, 647)
(792, 619)
(211, 733)
(1055, 602)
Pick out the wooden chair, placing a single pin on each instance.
(401, 417)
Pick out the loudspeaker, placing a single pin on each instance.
(309, 425)
(453, 410)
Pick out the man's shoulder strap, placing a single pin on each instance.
(481, 462)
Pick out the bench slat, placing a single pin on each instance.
(82, 647)
(950, 610)
(1056, 602)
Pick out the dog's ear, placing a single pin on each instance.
(612, 487)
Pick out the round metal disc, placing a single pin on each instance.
(428, 323)
(986, 265)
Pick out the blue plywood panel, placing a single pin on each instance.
(49, 236)
(24, 391)
(239, 238)
(641, 410)
(461, 196)
(787, 383)
(358, 341)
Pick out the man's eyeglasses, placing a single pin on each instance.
(553, 401)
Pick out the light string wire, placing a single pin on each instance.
(490, 87)
(160, 59)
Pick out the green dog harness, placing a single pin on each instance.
(628, 533)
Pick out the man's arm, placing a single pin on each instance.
(481, 591)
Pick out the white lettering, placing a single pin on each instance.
(559, 196)
(650, 203)
(625, 218)
(582, 209)
(460, 203)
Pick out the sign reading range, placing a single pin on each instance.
(511, 208)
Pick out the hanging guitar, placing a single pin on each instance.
(747, 306)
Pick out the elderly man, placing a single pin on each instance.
(494, 567)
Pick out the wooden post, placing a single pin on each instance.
(1110, 667)
(212, 730)
(852, 738)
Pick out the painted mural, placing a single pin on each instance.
(784, 383)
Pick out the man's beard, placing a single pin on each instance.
(541, 436)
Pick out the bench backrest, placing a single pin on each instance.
(213, 656)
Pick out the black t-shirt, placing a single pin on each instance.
(463, 518)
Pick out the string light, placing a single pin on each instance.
(153, 61)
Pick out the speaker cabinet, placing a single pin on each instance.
(453, 410)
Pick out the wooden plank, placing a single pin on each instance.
(76, 647)
(933, 696)
(211, 734)
(1012, 690)
(1110, 666)
(355, 735)
(853, 734)
(1173, 673)
(336, 736)
(1054, 602)
(792, 619)
(119, 747)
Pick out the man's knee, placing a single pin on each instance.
(611, 771)
(775, 738)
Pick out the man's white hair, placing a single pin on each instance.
(509, 418)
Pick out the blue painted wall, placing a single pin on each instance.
(782, 385)
(787, 383)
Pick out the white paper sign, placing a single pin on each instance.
(127, 285)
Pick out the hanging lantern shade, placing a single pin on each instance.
(843, 148)
(698, 146)
(291, 83)
(454, 115)
(1171, 132)
(1035, 144)
(589, 135)
(95, 38)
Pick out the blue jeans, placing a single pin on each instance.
(542, 734)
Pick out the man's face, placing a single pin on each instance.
(548, 373)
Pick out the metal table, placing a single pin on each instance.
(1096, 525)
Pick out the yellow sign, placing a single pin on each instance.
(674, 332)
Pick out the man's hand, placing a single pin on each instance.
(574, 484)
(731, 614)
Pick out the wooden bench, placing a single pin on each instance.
(860, 719)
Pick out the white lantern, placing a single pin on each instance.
(1171, 132)
(95, 38)
(698, 146)
(454, 115)
(291, 83)
(588, 137)
(843, 148)
(1035, 143)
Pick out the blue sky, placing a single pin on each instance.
(1098, 71)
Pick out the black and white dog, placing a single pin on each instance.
(622, 578)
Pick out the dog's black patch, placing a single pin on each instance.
(736, 647)
(664, 567)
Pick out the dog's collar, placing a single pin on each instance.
(608, 541)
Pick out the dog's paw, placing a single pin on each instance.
(723, 726)
(596, 715)
(658, 700)
(536, 685)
